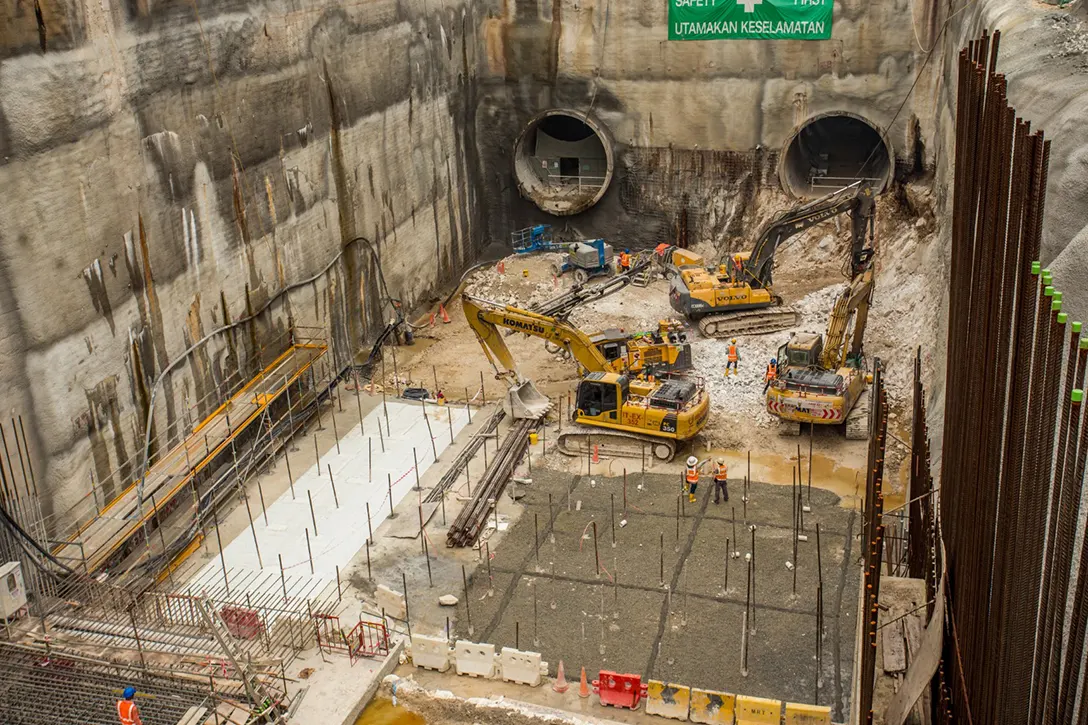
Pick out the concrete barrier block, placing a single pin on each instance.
(474, 659)
(526, 668)
(797, 714)
(758, 711)
(392, 602)
(710, 706)
(430, 653)
(667, 700)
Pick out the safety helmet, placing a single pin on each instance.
(130, 692)
(721, 461)
(734, 341)
(692, 460)
(774, 361)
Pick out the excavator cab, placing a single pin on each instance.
(600, 396)
(803, 350)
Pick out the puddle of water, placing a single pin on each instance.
(382, 711)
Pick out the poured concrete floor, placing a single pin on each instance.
(686, 629)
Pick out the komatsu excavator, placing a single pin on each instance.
(733, 298)
(822, 380)
(615, 411)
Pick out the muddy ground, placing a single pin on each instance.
(659, 604)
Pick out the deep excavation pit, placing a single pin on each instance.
(197, 203)
(834, 150)
(563, 161)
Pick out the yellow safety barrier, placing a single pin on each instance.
(709, 706)
(807, 714)
(667, 700)
(758, 711)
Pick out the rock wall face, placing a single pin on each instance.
(172, 167)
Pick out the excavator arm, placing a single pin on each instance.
(856, 297)
(486, 317)
(858, 199)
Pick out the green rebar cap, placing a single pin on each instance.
(1078, 396)
(1057, 296)
(1084, 343)
(1062, 317)
(1077, 326)
(1036, 267)
(1048, 291)
(1056, 306)
(1047, 277)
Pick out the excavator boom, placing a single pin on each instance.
(486, 317)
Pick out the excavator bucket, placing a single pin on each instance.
(523, 401)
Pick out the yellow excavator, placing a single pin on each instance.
(734, 298)
(615, 412)
(822, 380)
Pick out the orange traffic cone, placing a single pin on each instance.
(560, 684)
(443, 314)
(596, 454)
(583, 687)
(502, 267)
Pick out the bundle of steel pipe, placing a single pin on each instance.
(466, 528)
(872, 537)
(467, 454)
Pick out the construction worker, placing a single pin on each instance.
(721, 480)
(772, 373)
(127, 710)
(738, 269)
(691, 476)
(625, 261)
(731, 357)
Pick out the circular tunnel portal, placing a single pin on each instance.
(834, 150)
(563, 161)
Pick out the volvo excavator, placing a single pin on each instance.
(822, 380)
(734, 298)
(616, 411)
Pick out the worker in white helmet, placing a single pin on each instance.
(691, 476)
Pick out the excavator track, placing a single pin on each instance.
(576, 440)
(749, 322)
(857, 420)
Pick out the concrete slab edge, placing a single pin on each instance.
(388, 665)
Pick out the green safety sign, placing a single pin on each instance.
(750, 19)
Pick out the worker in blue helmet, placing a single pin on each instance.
(772, 374)
(127, 711)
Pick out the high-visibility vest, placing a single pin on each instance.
(732, 353)
(721, 472)
(772, 372)
(127, 712)
(624, 259)
(693, 474)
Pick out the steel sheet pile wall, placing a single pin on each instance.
(873, 536)
(1015, 443)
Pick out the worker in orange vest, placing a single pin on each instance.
(738, 269)
(772, 373)
(691, 476)
(127, 710)
(625, 261)
(721, 480)
(732, 357)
